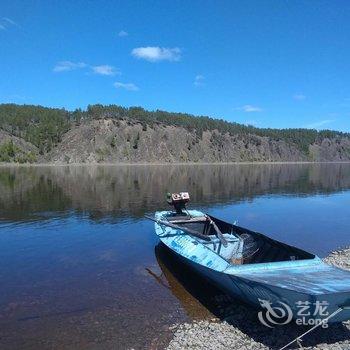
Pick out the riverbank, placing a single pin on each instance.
(242, 330)
(92, 164)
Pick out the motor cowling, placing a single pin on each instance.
(178, 201)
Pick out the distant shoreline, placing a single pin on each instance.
(116, 135)
(161, 163)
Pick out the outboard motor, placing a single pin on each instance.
(178, 201)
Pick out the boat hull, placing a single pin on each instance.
(254, 292)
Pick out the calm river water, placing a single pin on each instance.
(80, 268)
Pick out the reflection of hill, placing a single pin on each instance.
(29, 191)
(117, 191)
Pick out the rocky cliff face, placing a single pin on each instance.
(330, 150)
(128, 141)
(109, 140)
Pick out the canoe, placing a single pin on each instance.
(280, 279)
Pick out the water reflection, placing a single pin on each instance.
(198, 297)
(78, 263)
(115, 192)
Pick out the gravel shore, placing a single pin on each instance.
(339, 258)
(239, 328)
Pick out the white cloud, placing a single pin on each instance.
(249, 109)
(299, 97)
(10, 21)
(65, 66)
(126, 86)
(6, 22)
(156, 54)
(105, 69)
(123, 33)
(199, 80)
(317, 125)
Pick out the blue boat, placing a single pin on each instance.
(280, 279)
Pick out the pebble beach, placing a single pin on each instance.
(240, 328)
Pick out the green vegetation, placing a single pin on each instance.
(44, 127)
(41, 126)
(113, 142)
(9, 152)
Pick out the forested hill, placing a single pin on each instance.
(118, 134)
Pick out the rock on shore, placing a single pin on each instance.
(339, 258)
(240, 328)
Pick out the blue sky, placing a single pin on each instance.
(268, 63)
